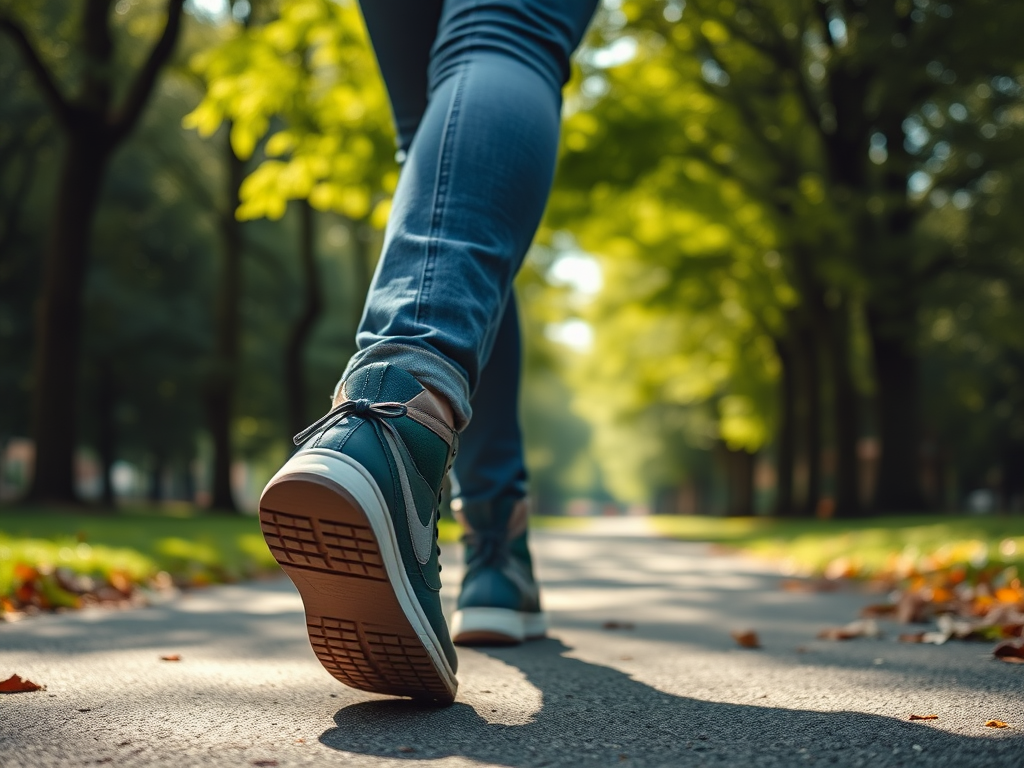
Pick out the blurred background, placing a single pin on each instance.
(780, 273)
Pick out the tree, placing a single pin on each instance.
(308, 79)
(93, 123)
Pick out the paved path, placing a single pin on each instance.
(673, 691)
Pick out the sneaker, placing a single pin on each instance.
(500, 601)
(352, 519)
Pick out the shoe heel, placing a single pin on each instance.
(360, 628)
(496, 626)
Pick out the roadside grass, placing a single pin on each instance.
(872, 547)
(150, 546)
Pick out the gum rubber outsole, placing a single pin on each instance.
(357, 627)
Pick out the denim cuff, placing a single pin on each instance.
(427, 367)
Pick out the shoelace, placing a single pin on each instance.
(363, 408)
(366, 409)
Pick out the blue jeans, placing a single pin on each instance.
(475, 88)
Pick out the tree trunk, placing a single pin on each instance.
(156, 478)
(106, 397)
(220, 395)
(896, 374)
(810, 416)
(739, 476)
(58, 330)
(785, 442)
(845, 415)
(294, 357)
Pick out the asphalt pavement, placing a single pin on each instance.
(640, 670)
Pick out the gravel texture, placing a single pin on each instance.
(670, 688)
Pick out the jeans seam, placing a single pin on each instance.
(440, 195)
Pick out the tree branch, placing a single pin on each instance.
(141, 88)
(62, 110)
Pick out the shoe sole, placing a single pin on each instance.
(496, 626)
(326, 523)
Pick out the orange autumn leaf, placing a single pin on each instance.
(24, 572)
(997, 724)
(882, 610)
(18, 684)
(1009, 595)
(746, 638)
(924, 717)
(171, 657)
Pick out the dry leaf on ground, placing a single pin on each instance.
(879, 611)
(1009, 651)
(618, 625)
(997, 724)
(808, 585)
(924, 717)
(171, 657)
(746, 638)
(860, 628)
(18, 684)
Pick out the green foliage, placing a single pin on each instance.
(745, 169)
(308, 79)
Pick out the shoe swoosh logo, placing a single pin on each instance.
(422, 535)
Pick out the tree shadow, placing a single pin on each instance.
(591, 714)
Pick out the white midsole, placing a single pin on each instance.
(327, 467)
(515, 625)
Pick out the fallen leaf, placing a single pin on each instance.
(18, 684)
(912, 637)
(746, 638)
(807, 585)
(171, 657)
(924, 717)
(860, 628)
(997, 724)
(618, 625)
(1009, 651)
(883, 610)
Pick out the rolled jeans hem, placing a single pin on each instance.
(428, 368)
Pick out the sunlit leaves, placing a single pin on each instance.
(310, 76)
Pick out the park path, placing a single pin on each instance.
(672, 690)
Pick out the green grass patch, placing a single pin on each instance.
(869, 547)
(135, 544)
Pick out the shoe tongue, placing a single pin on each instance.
(381, 383)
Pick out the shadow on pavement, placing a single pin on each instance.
(597, 715)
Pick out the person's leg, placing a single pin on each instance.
(402, 33)
(471, 194)
(490, 461)
(352, 516)
(499, 601)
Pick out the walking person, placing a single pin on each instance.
(475, 88)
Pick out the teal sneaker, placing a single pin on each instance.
(500, 601)
(352, 519)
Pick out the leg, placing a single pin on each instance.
(472, 192)
(403, 54)
(490, 461)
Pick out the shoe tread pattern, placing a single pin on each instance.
(356, 625)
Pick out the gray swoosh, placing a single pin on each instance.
(422, 535)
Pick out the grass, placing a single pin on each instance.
(193, 547)
(134, 544)
(137, 544)
(870, 547)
